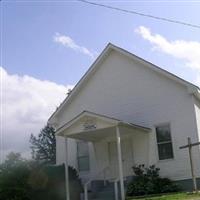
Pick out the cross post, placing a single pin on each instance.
(189, 146)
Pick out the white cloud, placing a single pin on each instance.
(27, 103)
(70, 43)
(188, 51)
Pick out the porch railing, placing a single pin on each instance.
(116, 189)
(115, 181)
(102, 172)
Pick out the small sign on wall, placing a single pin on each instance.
(89, 124)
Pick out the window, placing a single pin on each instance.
(164, 142)
(83, 156)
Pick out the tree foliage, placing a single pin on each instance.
(12, 160)
(14, 175)
(30, 180)
(44, 145)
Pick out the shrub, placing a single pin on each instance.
(28, 180)
(48, 182)
(148, 181)
(14, 174)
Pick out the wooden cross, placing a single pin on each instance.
(189, 146)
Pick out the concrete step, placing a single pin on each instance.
(107, 193)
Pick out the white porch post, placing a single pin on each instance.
(66, 172)
(121, 177)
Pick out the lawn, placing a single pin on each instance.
(179, 196)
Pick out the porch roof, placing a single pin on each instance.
(91, 126)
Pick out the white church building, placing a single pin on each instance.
(123, 112)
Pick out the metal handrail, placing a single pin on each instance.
(115, 180)
(116, 190)
(115, 187)
(91, 179)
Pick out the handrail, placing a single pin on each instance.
(96, 174)
(115, 180)
(91, 179)
(116, 189)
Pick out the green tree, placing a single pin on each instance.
(12, 160)
(14, 175)
(44, 145)
(22, 179)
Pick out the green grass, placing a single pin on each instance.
(178, 196)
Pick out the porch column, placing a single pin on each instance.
(121, 177)
(66, 172)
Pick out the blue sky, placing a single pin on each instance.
(48, 45)
(29, 27)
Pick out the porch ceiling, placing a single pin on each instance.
(104, 133)
(93, 135)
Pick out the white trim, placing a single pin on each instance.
(156, 68)
(116, 190)
(88, 114)
(121, 176)
(66, 171)
(83, 79)
(171, 141)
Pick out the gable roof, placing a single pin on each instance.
(193, 89)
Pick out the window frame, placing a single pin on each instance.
(164, 142)
(82, 156)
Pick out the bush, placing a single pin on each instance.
(148, 181)
(48, 182)
(14, 174)
(26, 180)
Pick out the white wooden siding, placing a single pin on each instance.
(129, 91)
